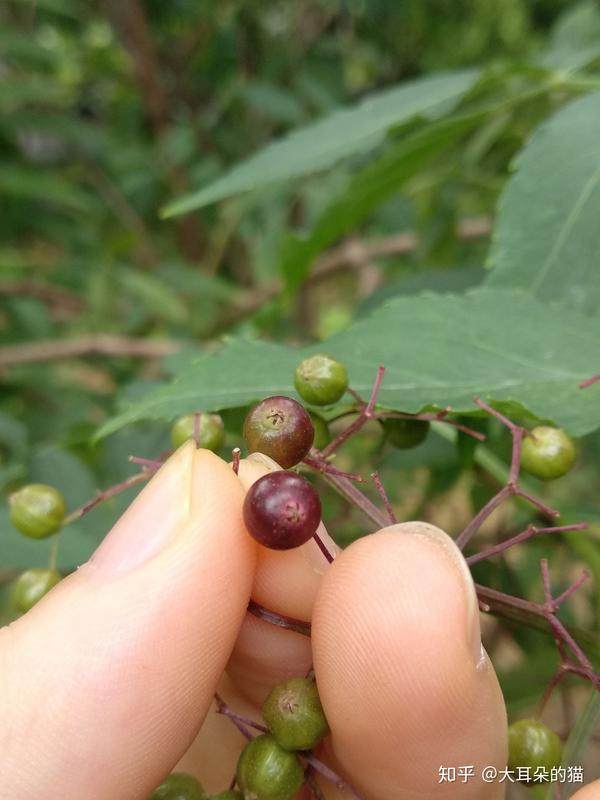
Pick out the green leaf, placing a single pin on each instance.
(337, 136)
(547, 237)
(370, 188)
(575, 39)
(438, 350)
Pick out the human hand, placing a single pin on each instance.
(107, 683)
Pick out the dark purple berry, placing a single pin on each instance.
(280, 428)
(282, 510)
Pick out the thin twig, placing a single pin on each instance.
(384, 498)
(98, 344)
(279, 620)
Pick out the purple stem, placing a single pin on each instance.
(358, 499)
(366, 413)
(528, 533)
(197, 428)
(479, 518)
(323, 547)
(329, 774)
(244, 722)
(105, 494)
(280, 620)
(325, 467)
(384, 498)
(545, 509)
(572, 588)
(437, 416)
(151, 463)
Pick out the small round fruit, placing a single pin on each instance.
(294, 714)
(320, 380)
(547, 453)
(210, 428)
(405, 433)
(32, 585)
(37, 510)
(531, 744)
(282, 510)
(179, 786)
(230, 794)
(322, 433)
(280, 428)
(265, 771)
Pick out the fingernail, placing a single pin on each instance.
(153, 518)
(266, 461)
(435, 536)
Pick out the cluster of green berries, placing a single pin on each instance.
(270, 765)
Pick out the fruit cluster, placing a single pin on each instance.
(282, 510)
(270, 766)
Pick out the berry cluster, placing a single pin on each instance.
(282, 510)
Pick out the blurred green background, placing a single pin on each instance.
(109, 110)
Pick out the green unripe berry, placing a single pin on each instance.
(230, 794)
(179, 786)
(32, 585)
(532, 744)
(37, 510)
(322, 433)
(294, 714)
(547, 453)
(211, 431)
(405, 433)
(265, 771)
(320, 380)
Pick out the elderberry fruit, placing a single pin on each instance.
(320, 380)
(405, 433)
(179, 786)
(230, 794)
(280, 428)
(265, 771)
(282, 510)
(37, 510)
(533, 746)
(547, 453)
(294, 714)
(207, 429)
(322, 433)
(32, 585)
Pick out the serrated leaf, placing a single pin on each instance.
(547, 238)
(438, 350)
(337, 136)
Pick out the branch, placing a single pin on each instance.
(97, 344)
(351, 255)
(63, 301)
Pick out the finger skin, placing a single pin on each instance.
(589, 792)
(403, 688)
(107, 680)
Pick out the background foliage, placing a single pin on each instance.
(193, 191)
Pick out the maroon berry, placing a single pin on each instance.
(280, 428)
(282, 510)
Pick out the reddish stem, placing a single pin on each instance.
(366, 413)
(223, 708)
(464, 537)
(280, 620)
(105, 494)
(384, 498)
(324, 467)
(528, 533)
(572, 588)
(358, 499)
(329, 774)
(323, 547)
(589, 381)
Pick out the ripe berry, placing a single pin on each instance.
(405, 433)
(294, 714)
(32, 585)
(282, 510)
(179, 786)
(209, 427)
(265, 771)
(322, 434)
(532, 744)
(37, 510)
(280, 428)
(547, 453)
(320, 380)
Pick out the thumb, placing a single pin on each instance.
(104, 684)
